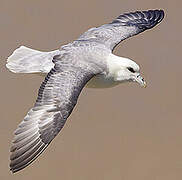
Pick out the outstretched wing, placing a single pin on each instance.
(57, 97)
(123, 27)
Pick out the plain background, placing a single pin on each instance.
(126, 132)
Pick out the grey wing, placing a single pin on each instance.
(123, 27)
(57, 97)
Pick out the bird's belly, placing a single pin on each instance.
(101, 81)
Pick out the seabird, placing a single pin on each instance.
(87, 60)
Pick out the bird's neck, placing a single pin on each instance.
(115, 64)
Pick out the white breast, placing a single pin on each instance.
(115, 64)
(101, 81)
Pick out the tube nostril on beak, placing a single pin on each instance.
(140, 80)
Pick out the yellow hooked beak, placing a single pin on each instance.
(144, 84)
(139, 79)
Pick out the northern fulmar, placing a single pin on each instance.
(88, 61)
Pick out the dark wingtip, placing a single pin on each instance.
(158, 14)
(143, 19)
(154, 17)
(161, 15)
(12, 171)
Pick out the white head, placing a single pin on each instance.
(124, 70)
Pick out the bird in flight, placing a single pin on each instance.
(88, 61)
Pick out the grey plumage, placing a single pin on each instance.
(123, 27)
(57, 97)
(74, 66)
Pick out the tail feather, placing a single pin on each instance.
(27, 60)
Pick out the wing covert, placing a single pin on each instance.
(123, 27)
(57, 97)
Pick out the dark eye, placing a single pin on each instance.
(131, 69)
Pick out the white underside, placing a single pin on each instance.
(101, 81)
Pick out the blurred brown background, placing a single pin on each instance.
(126, 132)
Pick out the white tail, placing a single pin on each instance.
(27, 60)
